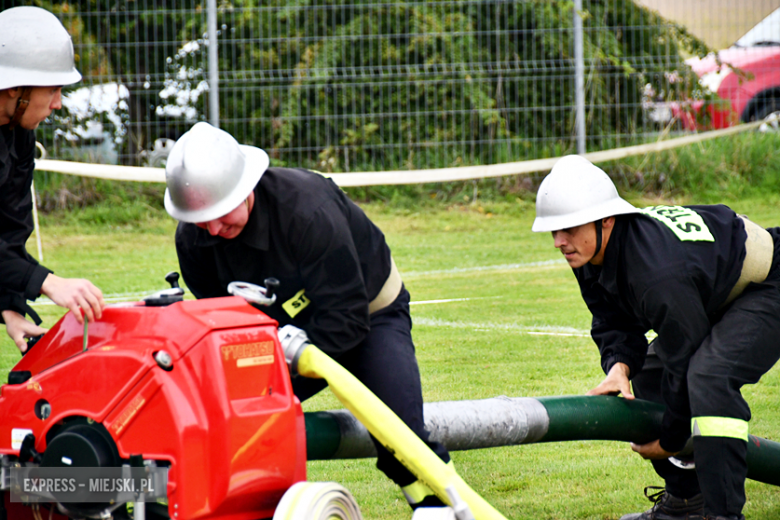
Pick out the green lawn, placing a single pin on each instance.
(484, 347)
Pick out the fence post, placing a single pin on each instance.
(579, 79)
(211, 14)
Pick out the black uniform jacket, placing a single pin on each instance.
(330, 258)
(654, 278)
(21, 276)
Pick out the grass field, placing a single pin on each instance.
(522, 333)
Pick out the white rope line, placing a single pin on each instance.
(522, 167)
(102, 171)
(133, 173)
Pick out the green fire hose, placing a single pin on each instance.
(463, 425)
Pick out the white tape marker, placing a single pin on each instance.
(479, 268)
(546, 330)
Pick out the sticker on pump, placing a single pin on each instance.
(249, 362)
(249, 354)
(17, 436)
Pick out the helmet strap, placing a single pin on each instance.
(21, 106)
(598, 239)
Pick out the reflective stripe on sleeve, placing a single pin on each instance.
(720, 427)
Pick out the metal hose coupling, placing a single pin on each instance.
(294, 341)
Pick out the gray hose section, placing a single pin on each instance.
(488, 423)
(458, 425)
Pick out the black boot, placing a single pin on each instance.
(669, 507)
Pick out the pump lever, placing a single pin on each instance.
(167, 296)
(27, 451)
(173, 279)
(271, 286)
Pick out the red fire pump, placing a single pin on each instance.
(198, 387)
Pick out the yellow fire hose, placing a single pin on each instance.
(383, 424)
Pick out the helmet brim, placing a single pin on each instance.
(557, 222)
(11, 78)
(255, 165)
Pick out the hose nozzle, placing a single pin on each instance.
(294, 341)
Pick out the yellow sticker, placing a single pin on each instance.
(686, 224)
(248, 350)
(296, 304)
(254, 361)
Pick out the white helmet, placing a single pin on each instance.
(35, 50)
(209, 174)
(574, 193)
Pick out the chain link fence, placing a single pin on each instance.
(371, 85)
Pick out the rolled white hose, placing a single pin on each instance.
(317, 501)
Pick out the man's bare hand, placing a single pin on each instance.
(20, 329)
(615, 383)
(75, 294)
(652, 450)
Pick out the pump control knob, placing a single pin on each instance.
(271, 286)
(173, 279)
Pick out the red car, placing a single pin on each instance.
(746, 75)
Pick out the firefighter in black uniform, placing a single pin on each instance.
(242, 221)
(707, 281)
(35, 61)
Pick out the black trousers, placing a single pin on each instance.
(681, 483)
(741, 347)
(385, 362)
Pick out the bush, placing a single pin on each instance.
(727, 168)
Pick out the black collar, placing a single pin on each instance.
(608, 275)
(7, 143)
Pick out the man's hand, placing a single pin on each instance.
(75, 294)
(20, 329)
(652, 450)
(615, 383)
